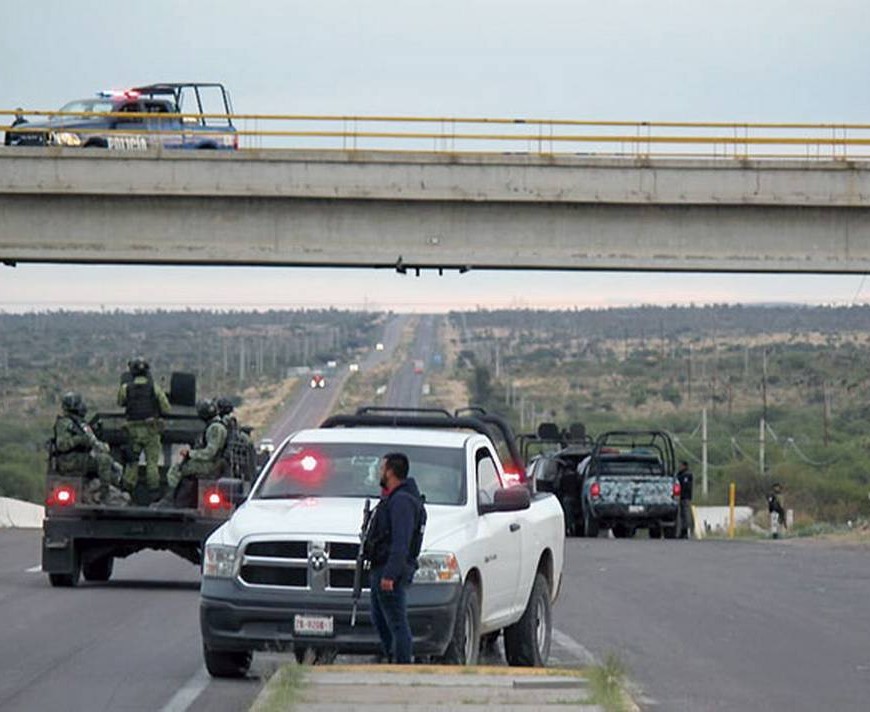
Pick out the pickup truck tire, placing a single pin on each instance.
(464, 647)
(100, 569)
(527, 642)
(227, 663)
(68, 580)
(590, 525)
(655, 532)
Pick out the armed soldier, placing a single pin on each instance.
(239, 450)
(78, 452)
(144, 402)
(204, 460)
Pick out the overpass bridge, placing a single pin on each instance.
(747, 198)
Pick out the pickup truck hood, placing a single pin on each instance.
(339, 517)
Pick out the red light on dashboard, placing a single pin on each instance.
(595, 490)
(512, 478)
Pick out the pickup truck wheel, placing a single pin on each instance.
(227, 663)
(527, 642)
(68, 580)
(590, 525)
(464, 647)
(99, 570)
(655, 532)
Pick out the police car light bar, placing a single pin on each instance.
(114, 93)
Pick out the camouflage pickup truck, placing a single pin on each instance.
(629, 482)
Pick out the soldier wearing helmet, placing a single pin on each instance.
(240, 454)
(144, 403)
(204, 460)
(78, 452)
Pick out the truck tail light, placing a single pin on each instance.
(61, 496)
(595, 490)
(677, 489)
(214, 499)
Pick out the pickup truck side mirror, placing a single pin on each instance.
(509, 499)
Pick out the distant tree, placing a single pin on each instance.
(671, 394)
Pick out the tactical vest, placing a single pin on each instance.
(53, 441)
(141, 401)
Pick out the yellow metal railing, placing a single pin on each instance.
(457, 135)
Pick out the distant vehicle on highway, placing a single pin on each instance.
(318, 381)
(167, 115)
(266, 445)
(418, 365)
(379, 346)
(353, 367)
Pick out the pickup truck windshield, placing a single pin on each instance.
(353, 470)
(93, 105)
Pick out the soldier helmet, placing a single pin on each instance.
(224, 405)
(73, 403)
(138, 366)
(206, 409)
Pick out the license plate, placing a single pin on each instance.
(635, 508)
(312, 625)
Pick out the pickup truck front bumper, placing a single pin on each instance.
(234, 617)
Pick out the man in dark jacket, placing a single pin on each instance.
(397, 517)
(686, 479)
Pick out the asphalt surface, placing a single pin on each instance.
(718, 625)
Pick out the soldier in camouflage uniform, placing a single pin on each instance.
(204, 460)
(78, 452)
(144, 402)
(239, 451)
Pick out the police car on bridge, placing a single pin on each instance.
(182, 115)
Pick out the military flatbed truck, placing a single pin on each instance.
(85, 539)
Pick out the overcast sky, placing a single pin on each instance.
(760, 60)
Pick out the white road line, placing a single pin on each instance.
(188, 693)
(578, 650)
(34, 569)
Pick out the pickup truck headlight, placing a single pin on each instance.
(437, 568)
(64, 138)
(220, 561)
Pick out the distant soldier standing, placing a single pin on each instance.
(686, 480)
(204, 460)
(776, 510)
(79, 452)
(144, 402)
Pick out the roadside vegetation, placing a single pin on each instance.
(282, 691)
(607, 684)
(805, 371)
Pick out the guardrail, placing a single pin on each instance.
(535, 136)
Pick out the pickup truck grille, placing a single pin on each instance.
(308, 565)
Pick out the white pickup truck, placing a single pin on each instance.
(279, 574)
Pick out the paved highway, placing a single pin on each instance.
(406, 386)
(717, 625)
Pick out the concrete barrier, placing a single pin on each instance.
(715, 519)
(21, 515)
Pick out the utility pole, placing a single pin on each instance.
(827, 413)
(764, 385)
(689, 375)
(704, 487)
(241, 359)
(761, 429)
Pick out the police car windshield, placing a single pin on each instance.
(87, 105)
(353, 470)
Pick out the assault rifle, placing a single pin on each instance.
(364, 531)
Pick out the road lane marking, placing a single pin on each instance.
(578, 650)
(34, 569)
(186, 696)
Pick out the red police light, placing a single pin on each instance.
(677, 489)
(595, 490)
(61, 496)
(512, 478)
